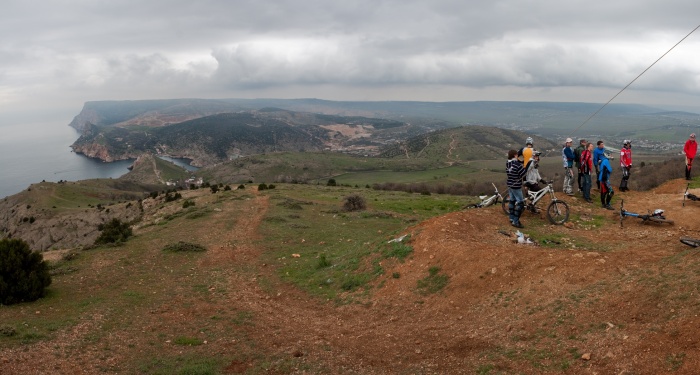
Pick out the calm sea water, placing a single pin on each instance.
(30, 153)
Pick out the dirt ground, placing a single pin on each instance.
(508, 308)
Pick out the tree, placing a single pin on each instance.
(114, 231)
(24, 275)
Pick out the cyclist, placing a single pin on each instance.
(625, 163)
(585, 171)
(606, 190)
(689, 150)
(515, 172)
(532, 175)
(525, 153)
(567, 154)
(577, 161)
(597, 152)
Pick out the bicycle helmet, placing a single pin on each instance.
(658, 212)
(536, 153)
(626, 142)
(528, 141)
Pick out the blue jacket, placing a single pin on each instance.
(605, 169)
(567, 155)
(597, 154)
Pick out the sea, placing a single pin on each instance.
(31, 153)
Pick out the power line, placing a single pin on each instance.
(628, 85)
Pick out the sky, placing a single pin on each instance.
(57, 54)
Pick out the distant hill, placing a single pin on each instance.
(216, 138)
(554, 120)
(466, 143)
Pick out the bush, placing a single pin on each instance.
(182, 246)
(114, 231)
(24, 275)
(262, 186)
(354, 203)
(331, 182)
(187, 203)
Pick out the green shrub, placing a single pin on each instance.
(24, 275)
(182, 246)
(187, 203)
(262, 186)
(114, 231)
(354, 203)
(331, 182)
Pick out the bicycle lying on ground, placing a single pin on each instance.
(689, 196)
(557, 211)
(690, 241)
(487, 200)
(657, 216)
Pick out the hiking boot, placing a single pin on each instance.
(589, 200)
(518, 225)
(609, 207)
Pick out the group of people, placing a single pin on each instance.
(522, 170)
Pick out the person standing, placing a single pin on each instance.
(606, 190)
(525, 153)
(577, 161)
(597, 153)
(567, 155)
(515, 173)
(625, 164)
(690, 149)
(586, 166)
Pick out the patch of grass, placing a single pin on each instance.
(182, 365)
(182, 246)
(399, 249)
(188, 341)
(434, 282)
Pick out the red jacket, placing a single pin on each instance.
(586, 162)
(690, 148)
(625, 157)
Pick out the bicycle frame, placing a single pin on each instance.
(487, 201)
(689, 196)
(534, 196)
(656, 216)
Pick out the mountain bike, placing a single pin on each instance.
(557, 211)
(657, 216)
(689, 196)
(487, 200)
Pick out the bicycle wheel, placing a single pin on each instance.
(660, 220)
(690, 241)
(558, 212)
(505, 204)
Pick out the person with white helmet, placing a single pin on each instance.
(525, 153)
(625, 163)
(689, 150)
(567, 154)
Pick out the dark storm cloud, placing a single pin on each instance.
(87, 50)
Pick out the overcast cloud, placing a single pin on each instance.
(57, 54)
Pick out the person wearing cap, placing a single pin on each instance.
(597, 153)
(567, 155)
(606, 190)
(577, 161)
(625, 163)
(689, 150)
(525, 153)
(585, 171)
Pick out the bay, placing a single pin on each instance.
(32, 152)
